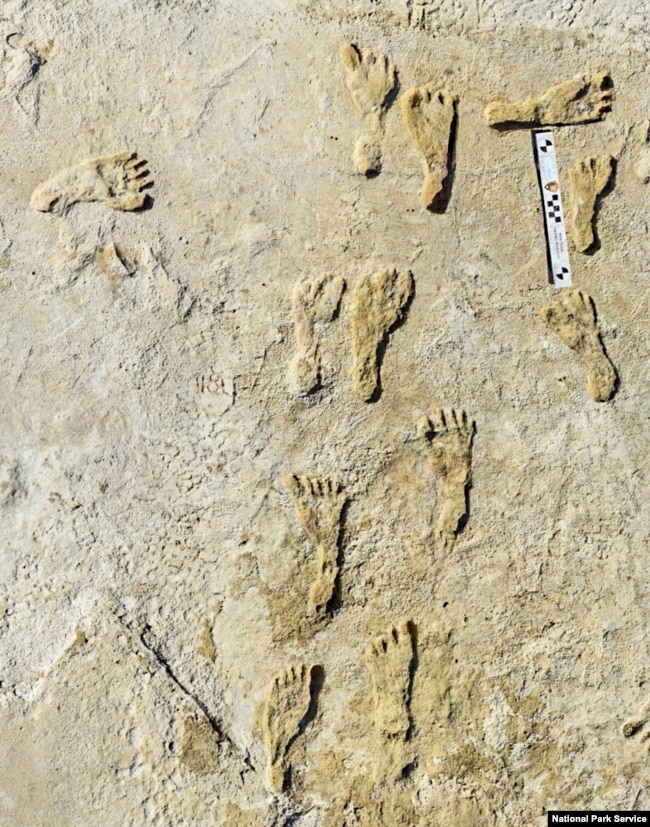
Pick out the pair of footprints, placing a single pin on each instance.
(429, 113)
(120, 181)
(582, 99)
(290, 701)
(378, 304)
(319, 502)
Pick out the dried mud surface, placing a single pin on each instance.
(308, 517)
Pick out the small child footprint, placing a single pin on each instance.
(449, 454)
(119, 181)
(370, 78)
(573, 317)
(429, 114)
(286, 704)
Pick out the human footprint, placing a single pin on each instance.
(370, 79)
(580, 99)
(429, 114)
(313, 303)
(119, 181)
(20, 62)
(389, 659)
(319, 503)
(449, 455)
(286, 704)
(379, 303)
(587, 180)
(573, 317)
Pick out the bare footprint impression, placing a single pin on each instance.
(20, 62)
(314, 304)
(379, 303)
(429, 113)
(319, 503)
(580, 99)
(370, 78)
(573, 317)
(286, 704)
(587, 180)
(389, 659)
(449, 439)
(120, 181)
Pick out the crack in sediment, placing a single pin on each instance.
(164, 666)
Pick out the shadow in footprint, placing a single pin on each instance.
(441, 201)
(464, 518)
(381, 347)
(147, 204)
(315, 687)
(336, 600)
(617, 381)
(415, 662)
(611, 183)
(392, 96)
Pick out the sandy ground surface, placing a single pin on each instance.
(309, 516)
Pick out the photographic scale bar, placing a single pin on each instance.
(549, 182)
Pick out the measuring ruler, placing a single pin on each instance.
(559, 269)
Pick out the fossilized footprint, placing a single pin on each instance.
(319, 503)
(389, 658)
(580, 99)
(119, 181)
(19, 66)
(379, 302)
(429, 113)
(587, 180)
(449, 454)
(286, 703)
(370, 79)
(313, 302)
(573, 317)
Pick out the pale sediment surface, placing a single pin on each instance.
(155, 571)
